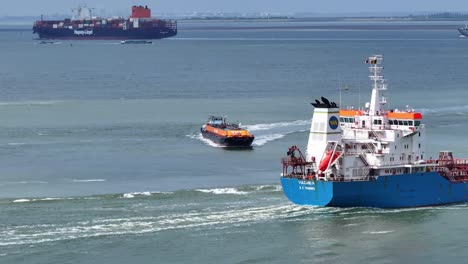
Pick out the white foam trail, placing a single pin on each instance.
(460, 109)
(133, 194)
(205, 140)
(90, 180)
(261, 127)
(27, 182)
(40, 200)
(379, 232)
(222, 191)
(16, 144)
(162, 192)
(86, 140)
(218, 219)
(276, 188)
(263, 139)
(29, 103)
(21, 200)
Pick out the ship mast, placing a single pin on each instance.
(376, 104)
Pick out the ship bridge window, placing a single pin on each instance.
(347, 119)
(390, 121)
(417, 123)
(405, 123)
(400, 122)
(410, 123)
(377, 122)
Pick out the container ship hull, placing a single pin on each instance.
(103, 34)
(394, 191)
(236, 142)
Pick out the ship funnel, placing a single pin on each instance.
(325, 127)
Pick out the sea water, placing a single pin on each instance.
(102, 160)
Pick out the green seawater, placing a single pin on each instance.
(102, 160)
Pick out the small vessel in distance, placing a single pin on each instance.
(371, 157)
(463, 31)
(84, 25)
(136, 42)
(49, 42)
(226, 134)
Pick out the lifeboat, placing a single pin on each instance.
(326, 160)
(226, 134)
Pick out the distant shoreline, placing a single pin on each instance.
(27, 20)
(279, 23)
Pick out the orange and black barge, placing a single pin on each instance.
(226, 134)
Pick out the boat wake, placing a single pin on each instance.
(271, 126)
(133, 194)
(20, 103)
(242, 190)
(265, 132)
(458, 110)
(40, 200)
(204, 140)
(216, 218)
(89, 180)
(222, 191)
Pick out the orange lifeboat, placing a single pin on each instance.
(326, 160)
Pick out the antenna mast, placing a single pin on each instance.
(377, 103)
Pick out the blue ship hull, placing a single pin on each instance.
(394, 191)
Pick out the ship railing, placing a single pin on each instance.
(360, 172)
(374, 134)
(460, 161)
(351, 179)
(370, 148)
(330, 178)
(295, 161)
(446, 162)
(296, 175)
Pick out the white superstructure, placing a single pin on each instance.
(349, 144)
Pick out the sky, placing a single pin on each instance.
(121, 7)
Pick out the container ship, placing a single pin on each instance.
(83, 25)
(226, 134)
(371, 157)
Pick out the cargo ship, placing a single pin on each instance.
(83, 25)
(371, 157)
(226, 134)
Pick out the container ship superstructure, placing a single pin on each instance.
(371, 157)
(226, 134)
(140, 25)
